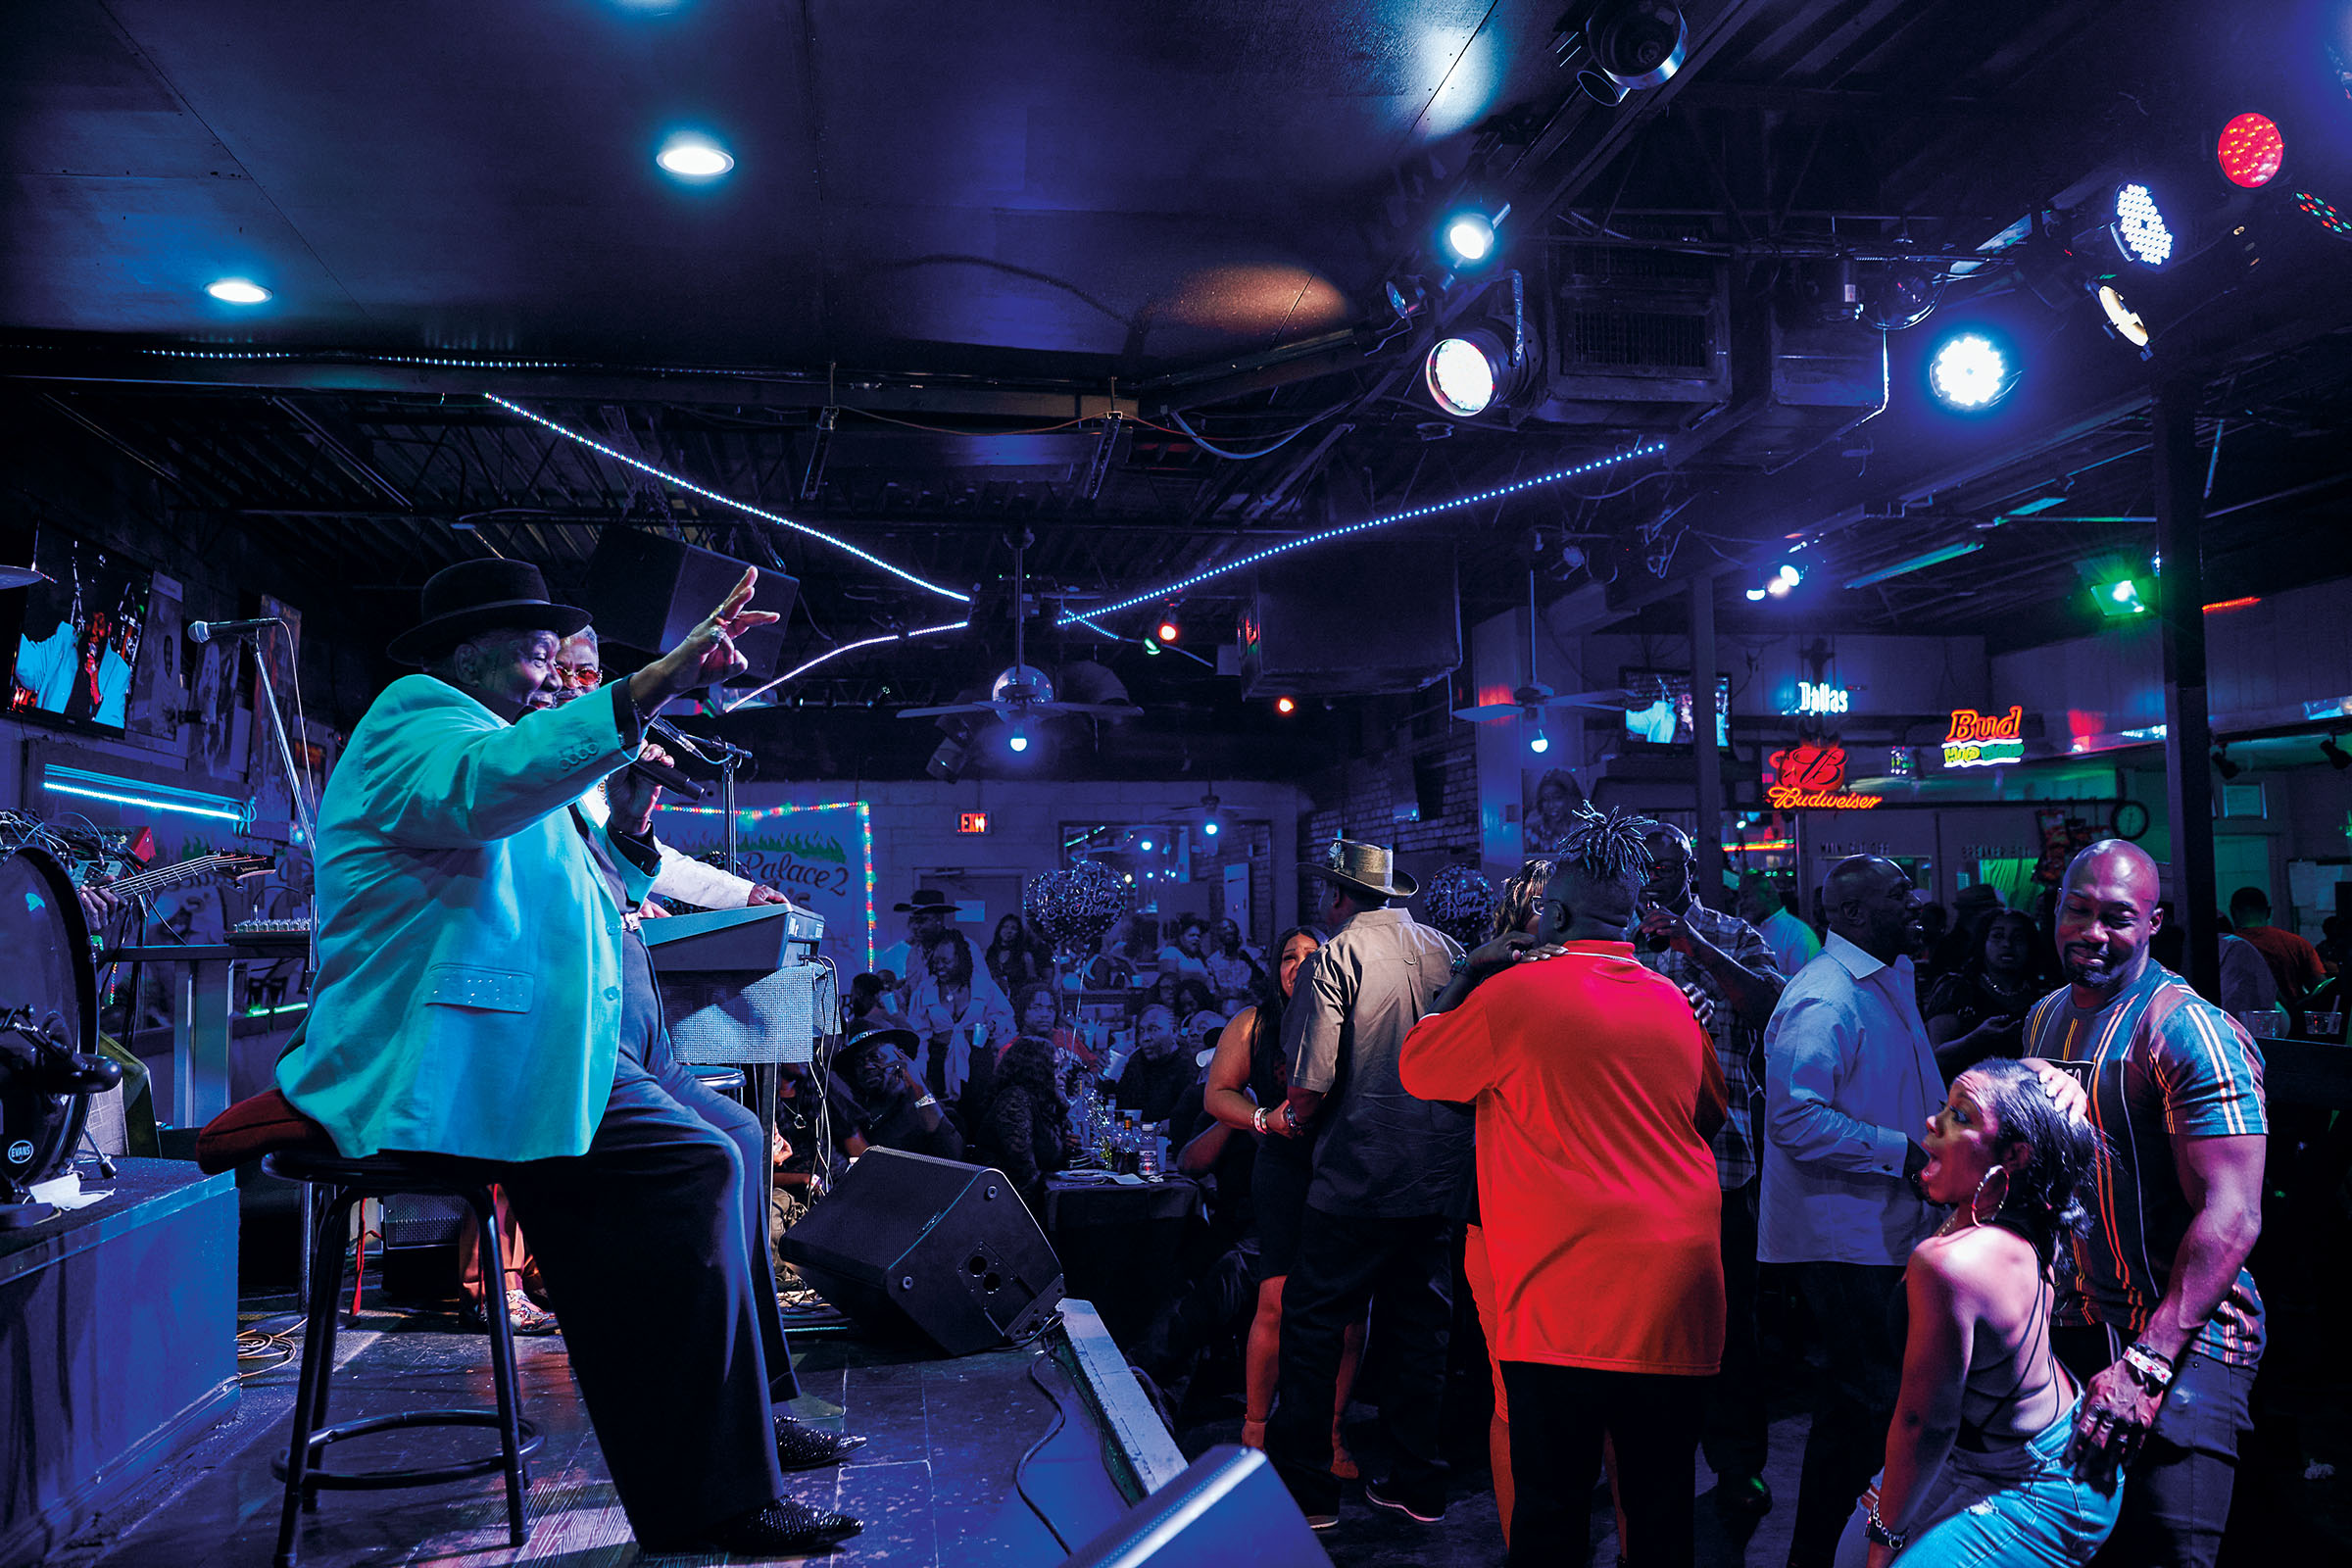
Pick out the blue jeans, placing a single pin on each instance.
(2014, 1505)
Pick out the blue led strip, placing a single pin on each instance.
(744, 507)
(845, 648)
(1646, 449)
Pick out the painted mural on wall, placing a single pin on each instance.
(815, 857)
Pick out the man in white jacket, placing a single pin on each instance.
(580, 671)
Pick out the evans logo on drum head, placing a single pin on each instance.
(20, 1151)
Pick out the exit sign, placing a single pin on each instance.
(971, 822)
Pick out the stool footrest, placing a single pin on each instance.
(379, 1479)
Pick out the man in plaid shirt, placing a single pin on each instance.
(1724, 960)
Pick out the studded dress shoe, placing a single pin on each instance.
(782, 1529)
(802, 1446)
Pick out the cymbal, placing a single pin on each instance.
(19, 577)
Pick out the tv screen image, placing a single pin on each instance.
(80, 643)
(1665, 720)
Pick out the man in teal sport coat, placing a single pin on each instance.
(483, 992)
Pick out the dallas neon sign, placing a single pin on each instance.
(1982, 739)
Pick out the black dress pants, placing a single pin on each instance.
(1738, 1430)
(653, 1245)
(1558, 1417)
(1857, 1310)
(2178, 1487)
(1402, 1269)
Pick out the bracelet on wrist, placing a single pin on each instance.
(2149, 1369)
(1876, 1529)
(1258, 1120)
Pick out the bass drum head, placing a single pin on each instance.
(47, 969)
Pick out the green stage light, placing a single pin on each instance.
(2121, 597)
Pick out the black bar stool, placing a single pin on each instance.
(332, 1185)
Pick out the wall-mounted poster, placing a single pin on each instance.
(159, 690)
(820, 857)
(220, 724)
(1553, 800)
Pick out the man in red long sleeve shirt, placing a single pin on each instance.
(1597, 1094)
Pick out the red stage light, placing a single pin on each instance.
(2250, 149)
(1167, 632)
(1283, 705)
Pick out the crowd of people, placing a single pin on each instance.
(2012, 1176)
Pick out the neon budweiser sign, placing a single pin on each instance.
(1811, 777)
(1982, 740)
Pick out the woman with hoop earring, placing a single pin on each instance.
(1979, 1458)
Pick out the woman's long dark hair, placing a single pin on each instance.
(1028, 1063)
(1270, 999)
(960, 968)
(2063, 1155)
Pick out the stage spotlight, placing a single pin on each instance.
(2323, 213)
(237, 291)
(1970, 373)
(2138, 227)
(1467, 238)
(2221, 763)
(2250, 151)
(1784, 581)
(1285, 705)
(2121, 319)
(697, 158)
(2337, 757)
(1627, 46)
(2120, 598)
(1460, 377)
(1168, 632)
(1755, 596)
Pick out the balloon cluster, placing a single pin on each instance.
(1460, 901)
(1074, 908)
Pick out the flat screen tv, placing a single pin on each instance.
(1665, 719)
(77, 646)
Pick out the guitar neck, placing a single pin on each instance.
(164, 876)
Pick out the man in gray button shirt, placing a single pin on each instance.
(1391, 1178)
(1848, 1077)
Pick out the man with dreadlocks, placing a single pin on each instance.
(1598, 1095)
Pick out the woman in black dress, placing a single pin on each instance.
(1976, 1011)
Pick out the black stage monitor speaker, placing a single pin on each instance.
(1230, 1507)
(944, 1249)
(648, 591)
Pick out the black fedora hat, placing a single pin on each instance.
(479, 596)
(930, 898)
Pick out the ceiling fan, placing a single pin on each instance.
(1026, 693)
(1529, 701)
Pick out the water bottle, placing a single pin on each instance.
(1147, 1151)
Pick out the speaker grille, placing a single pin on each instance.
(1639, 338)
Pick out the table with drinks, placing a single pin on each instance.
(2310, 1065)
(1118, 1214)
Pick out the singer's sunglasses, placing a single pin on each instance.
(586, 679)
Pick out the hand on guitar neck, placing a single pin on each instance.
(103, 898)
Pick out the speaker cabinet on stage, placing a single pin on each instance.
(946, 1250)
(648, 591)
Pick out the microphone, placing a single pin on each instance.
(204, 631)
(669, 778)
(710, 751)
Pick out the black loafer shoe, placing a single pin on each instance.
(783, 1529)
(802, 1446)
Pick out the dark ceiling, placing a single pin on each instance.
(979, 232)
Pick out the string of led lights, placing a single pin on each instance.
(836, 653)
(1646, 449)
(745, 815)
(745, 506)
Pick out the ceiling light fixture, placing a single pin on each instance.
(2120, 598)
(1169, 631)
(2121, 319)
(694, 157)
(2138, 226)
(1970, 373)
(2250, 149)
(2221, 763)
(2337, 757)
(1784, 581)
(1479, 498)
(1018, 740)
(1459, 376)
(237, 291)
(1628, 45)
(709, 494)
(1286, 705)
(1467, 238)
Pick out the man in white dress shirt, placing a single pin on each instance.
(579, 670)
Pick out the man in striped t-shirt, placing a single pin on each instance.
(2163, 1322)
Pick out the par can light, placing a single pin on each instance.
(2138, 226)
(1970, 372)
(2250, 151)
(1467, 238)
(2121, 319)
(1460, 377)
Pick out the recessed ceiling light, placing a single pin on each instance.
(693, 158)
(236, 291)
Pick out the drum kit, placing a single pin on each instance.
(49, 1061)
